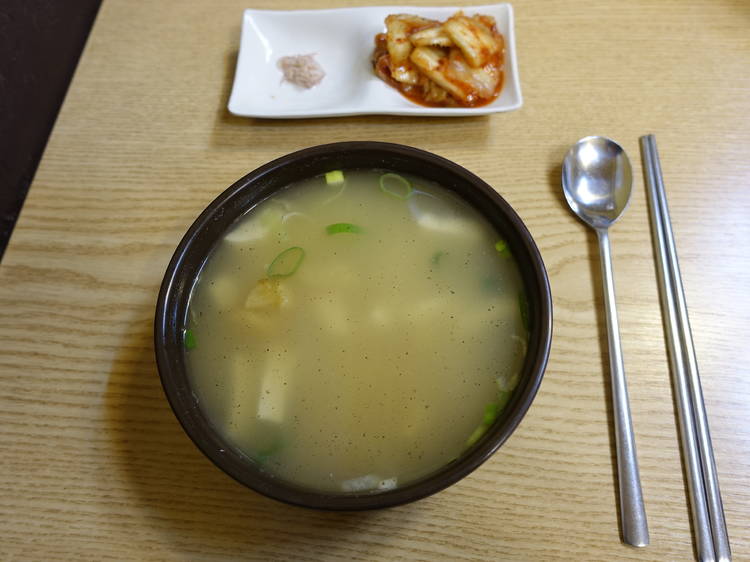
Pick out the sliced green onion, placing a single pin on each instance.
(396, 185)
(502, 248)
(286, 263)
(491, 412)
(437, 256)
(340, 227)
(503, 397)
(523, 307)
(263, 454)
(273, 448)
(335, 183)
(189, 339)
(506, 382)
(476, 435)
(334, 177)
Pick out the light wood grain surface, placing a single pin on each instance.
(93, 464)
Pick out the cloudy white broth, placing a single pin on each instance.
(356, 331)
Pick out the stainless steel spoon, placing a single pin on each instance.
(596, 179)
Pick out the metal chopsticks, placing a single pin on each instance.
(712, 541)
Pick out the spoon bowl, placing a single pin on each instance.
(597, 179)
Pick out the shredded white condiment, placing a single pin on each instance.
(302, 70)
(369, 482)
(388, 483)
(361, 483)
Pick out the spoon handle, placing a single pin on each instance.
(632, 511)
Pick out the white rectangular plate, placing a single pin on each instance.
(343, 41)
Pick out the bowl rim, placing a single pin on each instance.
(258, 185)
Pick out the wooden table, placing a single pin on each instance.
(94, 464)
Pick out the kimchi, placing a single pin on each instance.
(458, 62)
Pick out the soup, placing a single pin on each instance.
(356, 331)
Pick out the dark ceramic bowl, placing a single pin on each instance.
(188, 259)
